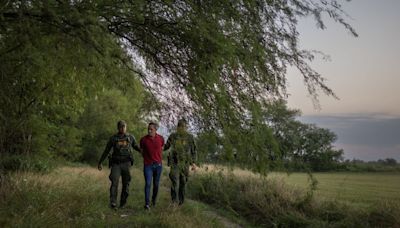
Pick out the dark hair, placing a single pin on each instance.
(121, 123)
(154, 124)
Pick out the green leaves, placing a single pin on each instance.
(98, 122)
(219, 63)
(55, 58)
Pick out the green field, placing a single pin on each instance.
(356, 188)
(359, 188)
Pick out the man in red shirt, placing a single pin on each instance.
(151, 146)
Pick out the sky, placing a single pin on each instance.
(363, 71)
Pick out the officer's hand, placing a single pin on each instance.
(100, 167)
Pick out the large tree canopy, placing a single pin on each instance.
(218, 63)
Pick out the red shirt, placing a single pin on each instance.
(152, 149)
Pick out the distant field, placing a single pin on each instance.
(357, 188)
(363, 188)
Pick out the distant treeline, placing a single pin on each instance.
(381, 165)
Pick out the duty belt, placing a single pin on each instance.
(120, 159)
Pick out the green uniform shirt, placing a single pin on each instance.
(122, 147)
(183, 149)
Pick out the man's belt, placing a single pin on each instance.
(120, 159)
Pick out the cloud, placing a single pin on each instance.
(364, 136)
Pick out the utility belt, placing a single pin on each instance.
(119, 159)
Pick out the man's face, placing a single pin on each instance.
(122, 129)
(151, 130)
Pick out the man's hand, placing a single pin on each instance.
(99, 167)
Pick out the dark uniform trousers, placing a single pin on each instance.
(117, 170)
(181, 174)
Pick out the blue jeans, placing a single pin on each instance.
(152, 171)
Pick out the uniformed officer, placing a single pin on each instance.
(181, 157)
(120, 162)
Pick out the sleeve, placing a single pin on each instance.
(169, 142)
(162, 141)
(141, 143)
(142, 147)
(193, 150)
(134, 144)
(106, 150)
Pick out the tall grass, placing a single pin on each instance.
(78, 197)
(68, 196)
(271, 203)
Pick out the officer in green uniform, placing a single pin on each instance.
(120, 162)
(180, 158)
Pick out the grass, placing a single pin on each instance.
(78, 197)
(271, 202)
(357, 188)
(352, 187)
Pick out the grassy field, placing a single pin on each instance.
(279, 200)
(357, 188)
(77, 196)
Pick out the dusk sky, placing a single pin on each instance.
(364, 72)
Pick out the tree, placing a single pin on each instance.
(100, 117)
(317, 150)
(217, 62)
(302, 145)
